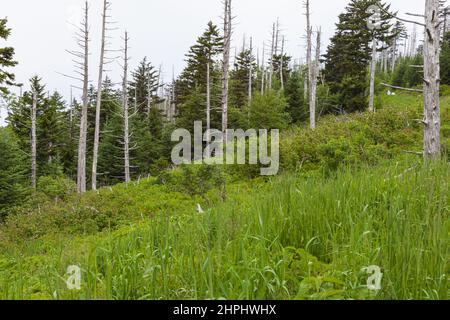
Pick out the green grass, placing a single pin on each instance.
(293, 238)
(348, 197)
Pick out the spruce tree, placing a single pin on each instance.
(445, 60)
(239, 78)
(349, 54)
(193, 81)
(6, 59)
(13, 172)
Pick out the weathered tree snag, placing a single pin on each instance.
(373, 68)
(81, 170)
(313, 82)
(99, 98)
(33, 141)
(126, 133)
(432, 121)
(227, 26)
(250, 73)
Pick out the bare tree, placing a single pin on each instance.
(250, 73)
(227, 26)
(208, 98)
(313, 81)
(312, 100)
(82, 70)
(281, 64)
(263, 69)
(432, 47)
(373, 68)
(33, 140)
(433, 20)
(106, 7)
(126, 131)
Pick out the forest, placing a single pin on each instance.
(364, 180)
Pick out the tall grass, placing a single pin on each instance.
(293, 238)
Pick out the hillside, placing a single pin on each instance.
(351, 194)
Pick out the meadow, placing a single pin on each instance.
(352, 194)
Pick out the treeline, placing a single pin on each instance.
(266, 89)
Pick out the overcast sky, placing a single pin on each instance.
(163, 30)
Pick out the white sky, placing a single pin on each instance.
(163, 30)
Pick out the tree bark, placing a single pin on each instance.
(250, 75)
(281, 65)
(126, 133)
(432, 121)
(313, 83)
(312, 109)
(226, 63)
(81, 170)
(372, 74)
(33, 142)
(99, 99)
(208, 99)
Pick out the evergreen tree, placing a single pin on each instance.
(349, 54)
(144, 85)
(240, 76)
(13, 172)
(51, 126)
(268, 111)
(297, 108)
(193, 79)
(445, 60)
(6, 59)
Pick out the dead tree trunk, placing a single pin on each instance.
(432, 121)
(263, 69)
(373, 68)
(126, 132)
(272, 53)
(226, 62)
(312, 111)
(313, 82)
(33, 141)
(281, 65)
(250, 73)
(81, 170)
(394, 55)
(208, 98)
(99, 98)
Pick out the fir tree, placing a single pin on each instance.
(349, 54)
(6, 59)
(445, 60)
(13, 172)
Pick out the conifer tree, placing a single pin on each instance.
(349, 54)
(6, 59)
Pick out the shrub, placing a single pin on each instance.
(57, 188)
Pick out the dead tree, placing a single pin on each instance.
(263, 69)
(208, 98)
(281, 64)
(273, 52)
(106, 8)
(82, 70)
(126, 131)
(227, 32)
(250, 73)
(312, 100)
(373, 68)
(432, 45)
(313, 81)
(33, 141)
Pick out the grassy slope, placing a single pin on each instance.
(309, 239)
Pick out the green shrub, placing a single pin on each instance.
(57, 188)
(194, 180)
